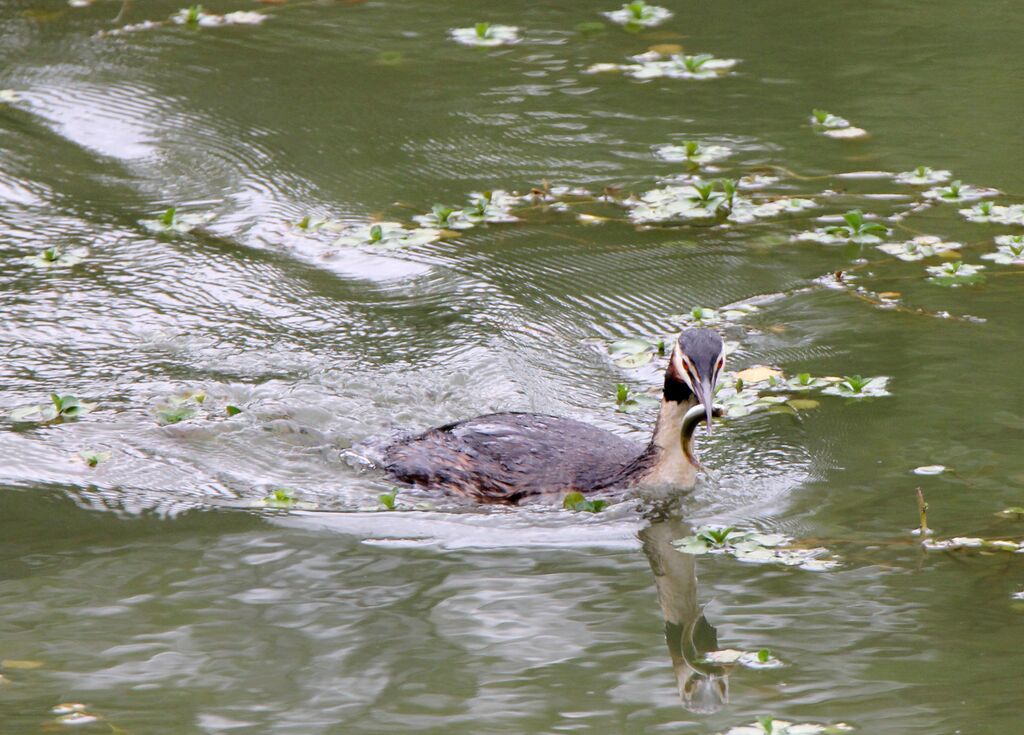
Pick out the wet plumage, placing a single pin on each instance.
(505, 457)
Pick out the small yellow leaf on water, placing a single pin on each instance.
(758, 374)
(667, 49)
(889, 295)
(14, 663)
(590, 219)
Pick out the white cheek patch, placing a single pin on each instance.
(680, 368)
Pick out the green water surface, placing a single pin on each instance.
(147, 589)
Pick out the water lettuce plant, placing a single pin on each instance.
(634, 353)
(578, 503)
(770, 726)
(920, 247)
(959, 543)
(445, 218)
(702, 316)
(386, 235)
(856, 229)
(93, 458)
(655, 64)
(639, 14)
(924, 176)
(173, 221)
(704, 200)
(753, 547)
(1010, 250)
(855, 386)
(56, 256)
(1000, 214)
(762, 659)
(957, 191)
(834, 126)
(60, 408)
(196, 15)
(283, 498)
(486, 34)
(955, 273)
(690, 151)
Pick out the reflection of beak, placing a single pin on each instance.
(706, 397)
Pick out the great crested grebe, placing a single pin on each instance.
(506, 457)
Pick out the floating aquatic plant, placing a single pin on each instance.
(639, 13)
(624, 400)
(633, 353)
(1010, 252)
(387, 235)
(388, 500)
(920, 247)
(958, 543)
(445, 218)
(93, 458)
(855, 386)
(701, 200)
(173, 221)
(494, 207)
(955, 273)
(702, 316)
(691, 151)
(857, 229)
(805, 381)
(578, 503)
(180, 407)
(74, 713)
(957, 191)
(196, 15)
(1000, 214)
(834, 126)
(923, 176)
(771, 726)
(654, 64)
(60, 407)
(486, 34)
(758, 548)
(283, 498)
(55, 256)
(762, 659)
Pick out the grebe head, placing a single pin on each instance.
(697, 359)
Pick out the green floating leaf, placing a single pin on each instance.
(639, 13)
(955, 273)
(857, 229)
(770, 726)
(834, 126)
(920, 247)
(578, 503)
(957, 191)
(283, 498)
(171, 221)
(94, 458)
(755, 548)
(66, 407)
(654, 64)
(388, 499)
(923, 176)
(232, 410)
(486, 34)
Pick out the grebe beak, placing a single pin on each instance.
(706, 397)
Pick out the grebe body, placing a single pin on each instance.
(506, 457)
